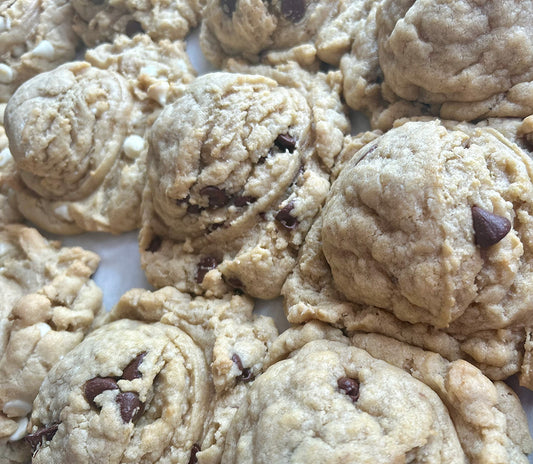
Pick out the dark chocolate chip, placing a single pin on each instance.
(130, 406)
(194, 451)
(284, 216)
(489, 228)
(194, 209)
(228, 6)
(293, 10)
(214, 226)
(350, 387)
(155, 244)
(246, 374)
(97, 385)
(217, 197)
(244, 200)
(204, 266)
(234, 282)
(133, 28)
(44, 434)
(285, 142)
(131, 371)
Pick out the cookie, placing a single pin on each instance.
(425, 271)
(453, 60)
(88, 172)
(152, 396)
(34, 37)
(102, 20)
(48, 304)
(279, 30)
(322, 399)
(239, 168)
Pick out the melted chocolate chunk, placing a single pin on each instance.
(284, 217)
(350, 387)
(133, 28)
(489, 228)
(228, 6)
(97, 385)
(244, 200)
(155, 244)
(246, 374)
(293, 10)
(194, 451)
(204, 266)
(217, 197)
(194, 209)
(45, 434)
(131, 371)
(130, 405)
(285, 142)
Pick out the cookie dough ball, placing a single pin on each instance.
(101, 21)
(77, 135)
(48, 304)
(434, 225)
(235, 180)
(252, 28)
(35, 36)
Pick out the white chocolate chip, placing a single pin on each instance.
(44, 49)
(20, 433)
(5, 157)
(5, 23)
(16, 408)
(133, 146)
(7, 75)
(62, 212)
(158, 92)
(43, 327)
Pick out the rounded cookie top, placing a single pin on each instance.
(234, 181)
(34, 37)
(434, 225)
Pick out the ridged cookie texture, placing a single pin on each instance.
(325, 399)
(35, 36)
(425, 237)
(456, 60)
(158, 386)
(239, 168)
(49, 303)
(77, 134)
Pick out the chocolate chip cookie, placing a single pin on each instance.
(77, 134)
(239, 167)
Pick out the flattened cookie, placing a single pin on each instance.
(102, 20)
(35, 36)
(48, 305)
(77, 134)
(456, 60)
(144, 390)
(239, 167)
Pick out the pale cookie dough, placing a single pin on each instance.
(239, 167)
(160, 386)
(273, 30)
(48, 304)
(35, 36)
(457, 60)
(397, 232)
(78, 134)
(323, 400)
(99, 21)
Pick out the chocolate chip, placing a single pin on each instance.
(194, 451)
(243, 200)
(489, 228)
(234, 282)
(97, 385)
(284, 217)
(194, 209)
(228, 6)
(350, 387)
(217, 197)
(293, 10)
(214, 226)
(204, 266)
(44, 434)
(246, 374)
(155, 244)
(131, 371)
(130, 405)
(285, 142)
(133, 28)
